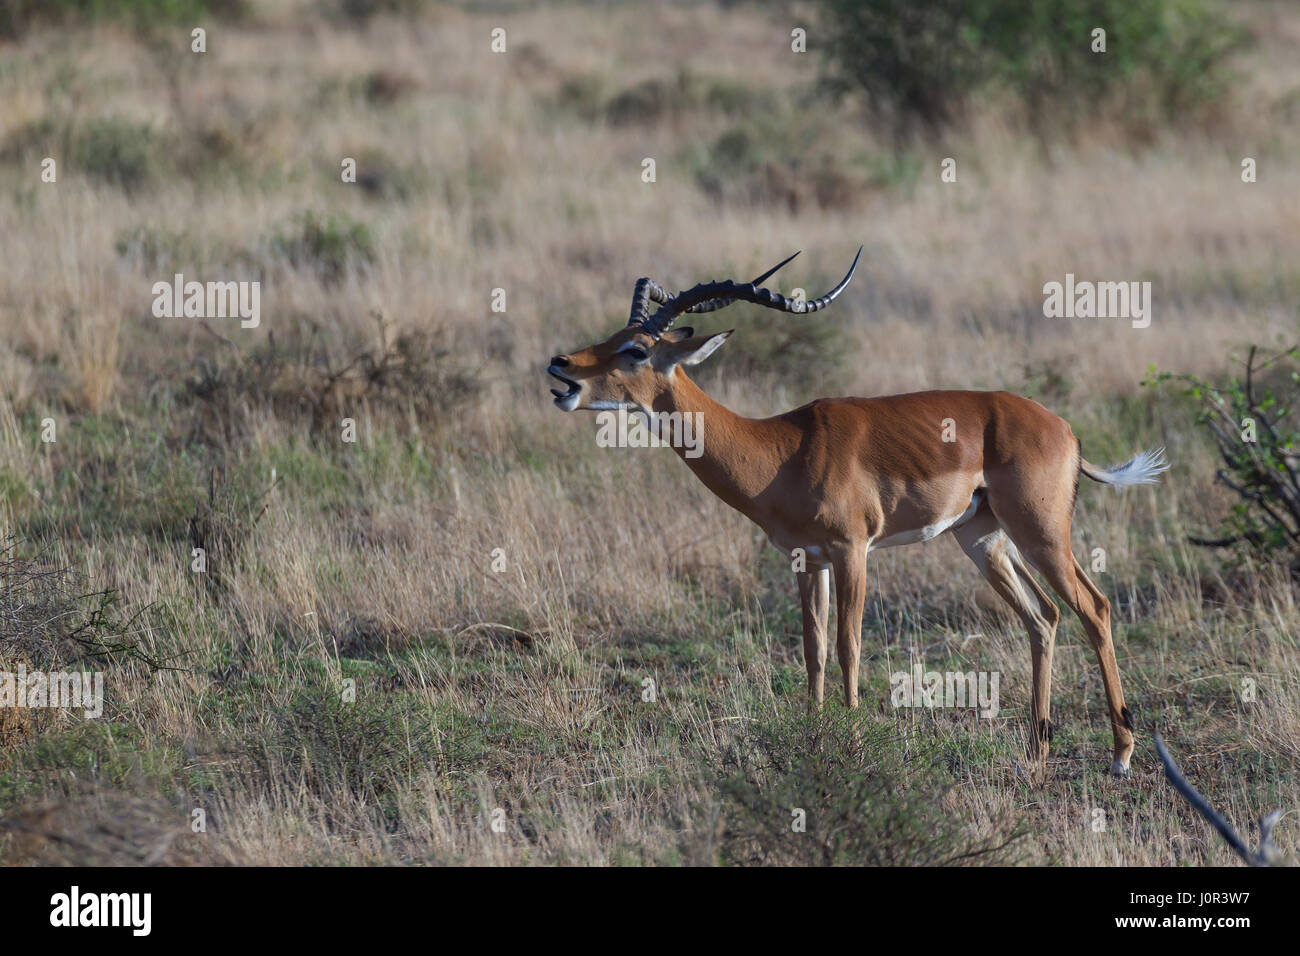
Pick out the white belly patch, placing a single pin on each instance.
(917, 535)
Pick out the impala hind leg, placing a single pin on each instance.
(815, 596)
(1066, 576)
(1033, 500)
(986, 544)
(850, 596)
(1094, 610)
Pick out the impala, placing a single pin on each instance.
(841, 477)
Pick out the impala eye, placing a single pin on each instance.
(637, 355)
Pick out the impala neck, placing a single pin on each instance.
(733, 450)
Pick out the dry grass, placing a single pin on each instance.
(522, 690)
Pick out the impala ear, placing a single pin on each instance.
(673, 336)
(696, 350)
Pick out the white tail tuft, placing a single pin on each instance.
(1141, 469)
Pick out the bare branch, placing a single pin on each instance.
(1267, 851)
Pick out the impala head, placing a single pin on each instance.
(635, 364)
(628, 369)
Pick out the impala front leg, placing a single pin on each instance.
(815, 596)
(850, 596)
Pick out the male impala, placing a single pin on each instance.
(840, 477)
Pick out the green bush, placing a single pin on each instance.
(1251, 422)
(19, 16)
(656, 99)
(870, 799)
(360, 12)
(330, 244)
(319, 745)
(117, 151)
(920, 62)
(769, 163)
(110, 149)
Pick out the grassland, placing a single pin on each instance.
(372, 562)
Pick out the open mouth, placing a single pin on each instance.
(562, 397)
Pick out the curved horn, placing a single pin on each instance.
(703, 297)
(645, 290)
(716, 304)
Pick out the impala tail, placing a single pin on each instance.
(1141, 469)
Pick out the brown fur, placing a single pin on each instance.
(839, 474)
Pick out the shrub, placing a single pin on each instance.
(869, 799)
(222, 526)
(1250, 420)
(117, 151)
(385, 87)
(48, 617)
(581, 95)
(19, 16)
(109, 148)
(653, 100)
(775, 168)
(360, 12)
(409, 376)
(920, 62)
(330, 244)
(318, 745)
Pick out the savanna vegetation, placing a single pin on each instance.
(464, 610)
